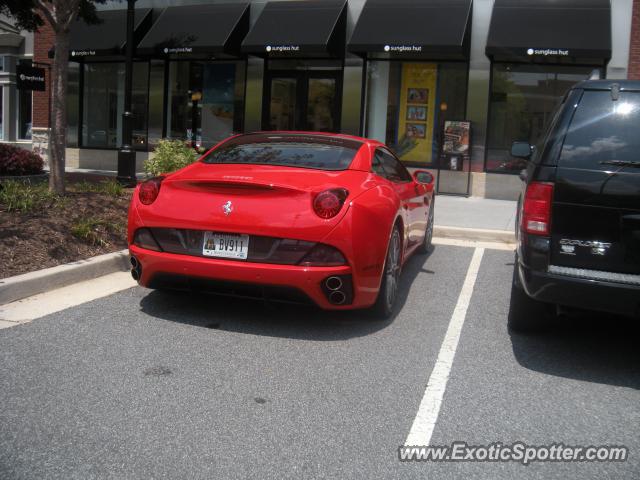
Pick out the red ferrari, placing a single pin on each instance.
(289, 216)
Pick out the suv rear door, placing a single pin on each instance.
(596, 210)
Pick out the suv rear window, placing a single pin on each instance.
(603, 132)
(320, 152)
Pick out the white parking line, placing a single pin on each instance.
(28, 309)
(425, 421)
(474, 244)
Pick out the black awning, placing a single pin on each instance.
(107, 38)
(428, 29)
(210, 29)
(550, 31)
(309, 28)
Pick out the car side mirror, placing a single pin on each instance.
(423, 177)
(521, 150)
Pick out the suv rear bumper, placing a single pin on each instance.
(617, 298)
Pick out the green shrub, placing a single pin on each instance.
(26, 197)
(109, 187)
(169, 156)
(93, 230)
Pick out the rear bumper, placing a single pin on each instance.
(575, 292)
(231, 277)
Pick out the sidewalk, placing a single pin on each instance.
(475, 212)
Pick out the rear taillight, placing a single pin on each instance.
(536, 210)
(327, 204)
(323, 256)
(144, 239)
(149, 190)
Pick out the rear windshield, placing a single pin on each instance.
(604, 134)
(303, 151)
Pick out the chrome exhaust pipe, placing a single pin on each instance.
(333, 283)
(134, 262)
(135, 274)
(337, 297)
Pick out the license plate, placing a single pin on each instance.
(225, 245)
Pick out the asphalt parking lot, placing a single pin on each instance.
(144, 384)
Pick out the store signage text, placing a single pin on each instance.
(403, 48)
(83, 53)
(282, 48)
(178, 50)
(30, 78)
(548, 51)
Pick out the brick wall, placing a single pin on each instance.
(42, 43)
(634, 50)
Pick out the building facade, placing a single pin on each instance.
(448, 85)
(16, 48)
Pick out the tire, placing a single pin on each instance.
(526, 315)
(425, 246)
(386, 301)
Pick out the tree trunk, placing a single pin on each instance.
(58, 135)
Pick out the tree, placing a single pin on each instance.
(60, 14)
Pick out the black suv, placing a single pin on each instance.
(578, 225)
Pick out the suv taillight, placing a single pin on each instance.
(536, 210)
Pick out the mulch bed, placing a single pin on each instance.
(37, 240)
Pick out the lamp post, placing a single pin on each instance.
(126, 153)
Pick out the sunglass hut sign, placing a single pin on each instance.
(403, 48)
(547, 52)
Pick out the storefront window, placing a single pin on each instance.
(408, 103)
(103, 105)
(24, 114)
(156, 98)
(1, 112)
(206, 101)
(523, 98)
(73, 104)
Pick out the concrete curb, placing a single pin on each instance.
(32, 283)
(474, 234)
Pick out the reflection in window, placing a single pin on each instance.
(522, 103)
(206, 101)
(103, 105)
(603, 132)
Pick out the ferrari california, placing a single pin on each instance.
(316, 218)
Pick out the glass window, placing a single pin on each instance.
(103, 104)
(206, 101)
(603, 133)
(393, 169)
(304, 151)
(25, 102)
(523, 100)
(156, 99)
(24, 114)
(73, 104)
(1, 112)
(408, 103)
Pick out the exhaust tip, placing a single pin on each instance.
(135, 274)
(333, 283)
(337, 298)
(134, 262)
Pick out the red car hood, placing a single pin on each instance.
(264, 200)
